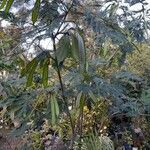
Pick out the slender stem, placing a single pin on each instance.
(62, 91)
(60, 78)
(65, 16)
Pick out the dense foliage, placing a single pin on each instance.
(72, 70)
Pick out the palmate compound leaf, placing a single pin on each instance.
(107, 29)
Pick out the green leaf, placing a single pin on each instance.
(79, 99)
(27, 69)
(78, 50)
(45, 72)
(35, 11)
(75, 50)
(56, 107)
(3, 4)
(64, 48)
(8, 6)
(53, 114)
(92, 96)
(30, 75)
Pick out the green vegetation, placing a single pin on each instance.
(87, 88)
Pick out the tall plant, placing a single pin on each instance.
(62, 80)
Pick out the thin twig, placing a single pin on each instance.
(62, 91)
